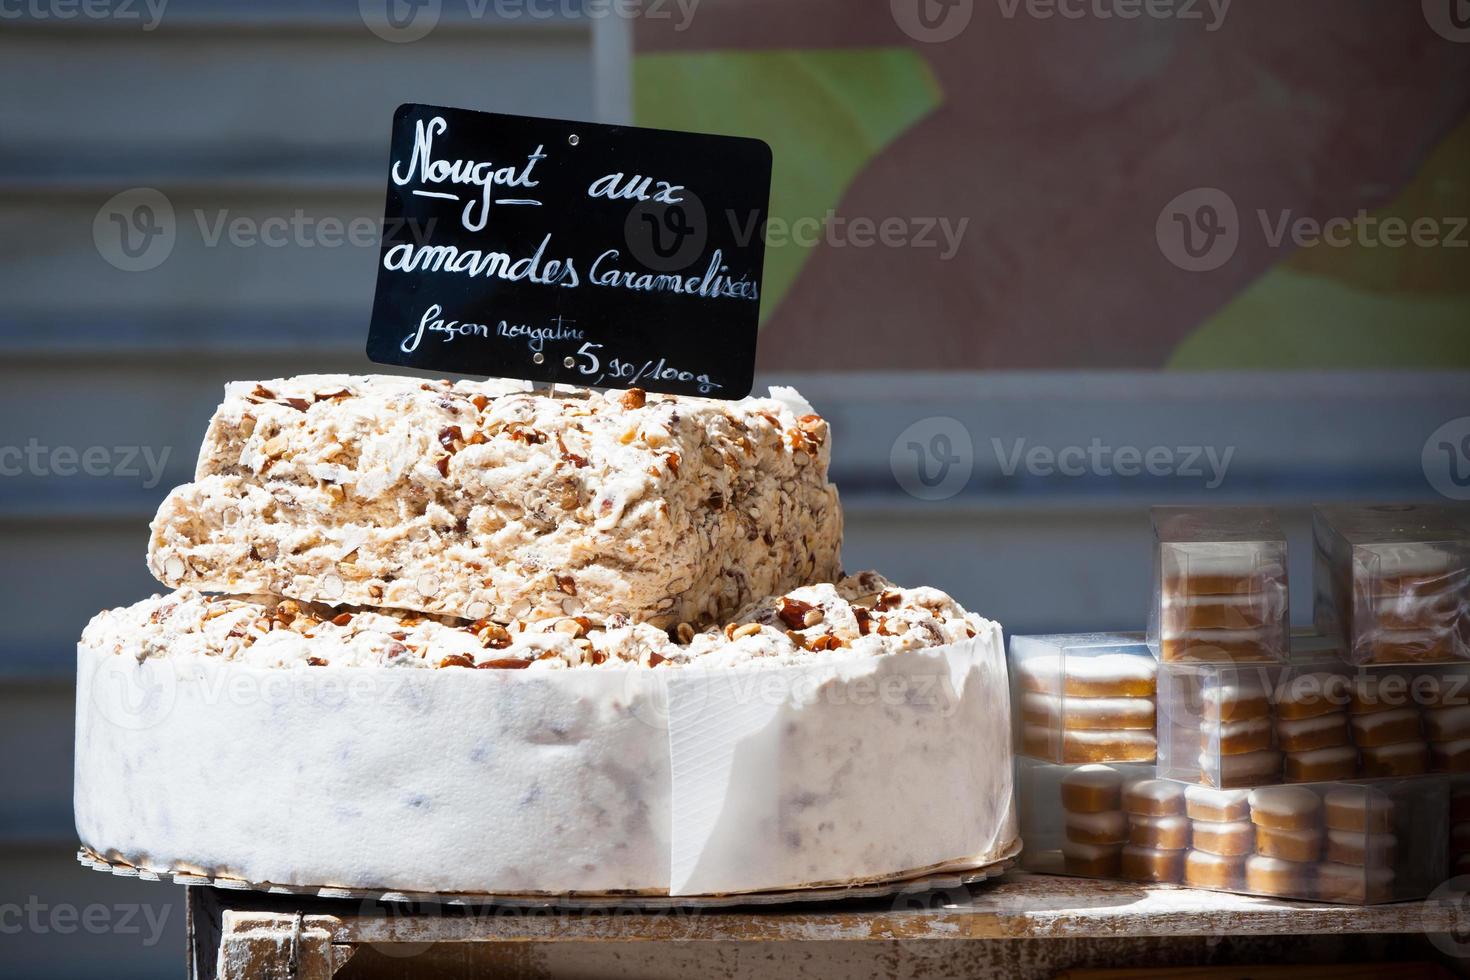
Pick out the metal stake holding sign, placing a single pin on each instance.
(571, 253)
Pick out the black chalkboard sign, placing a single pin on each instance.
(579, 253)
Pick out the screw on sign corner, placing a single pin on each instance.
(933, 458)
(1450, 19)
(932, 21)
(1199, 230)
(135, 230)
(400, 21)
(1446, 459)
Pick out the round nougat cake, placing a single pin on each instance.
(844, 732)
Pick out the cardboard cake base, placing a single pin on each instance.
(932, 881)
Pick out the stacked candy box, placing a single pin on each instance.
(1387, 710)
(1083, 697)
(1234, 725)
(1393, 581)
(1357, 843)
(1444, 697)
(1220, 586)
(1287, 764)
(1246, 725)
(1354, 843)
(1076, 819)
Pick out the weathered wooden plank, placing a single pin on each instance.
(1020, 959)
(1323, 971)
(1019, 906)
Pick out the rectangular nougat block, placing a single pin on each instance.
(484, 500)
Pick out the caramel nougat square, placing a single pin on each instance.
(486, 500)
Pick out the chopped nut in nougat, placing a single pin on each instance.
(483, 500)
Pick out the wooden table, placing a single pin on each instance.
(240, 935)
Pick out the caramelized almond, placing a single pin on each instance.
(793, 612)
(491, 635)
(571, 627)
(451, 437)
(509, 663)
(523, 433)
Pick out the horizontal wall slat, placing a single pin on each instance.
(36, 764)
(291, 254)
(119, 18)
(135, 929)
(332, 93)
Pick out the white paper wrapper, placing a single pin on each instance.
(678, 782)
(416, 780)
(844, 769)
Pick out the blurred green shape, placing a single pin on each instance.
(825, 114)
(1287, 319)
(1365, 304)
